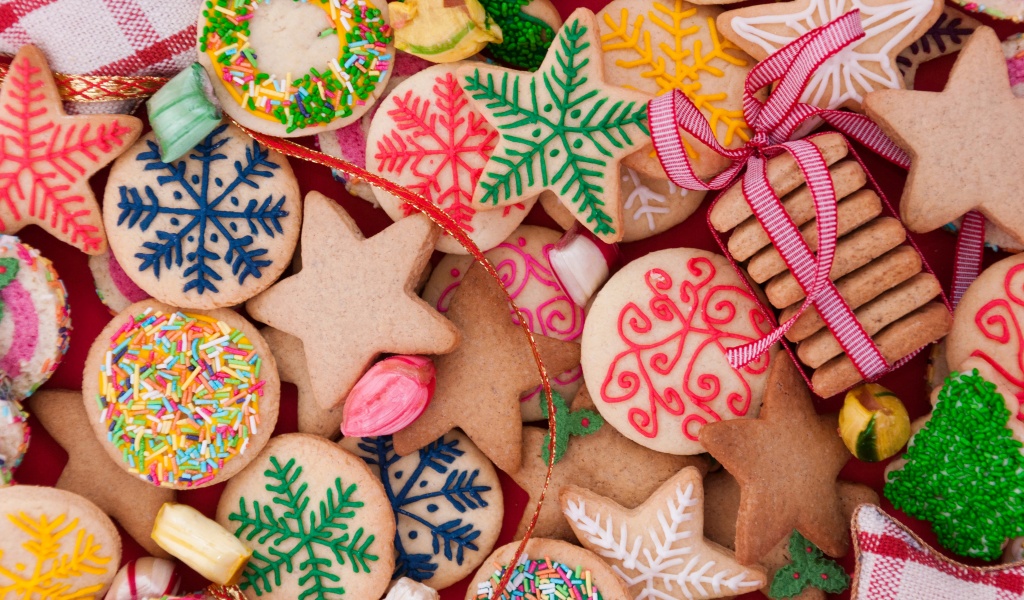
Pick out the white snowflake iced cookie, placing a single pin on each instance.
(650, 205)
(55, 545)
(447, 502)
(35, 318)
(212, 229)
(304, 483)
(654, 348)
(428, 137)
(866, 65)
(522, 262)
(659, 548)
(115, 289)
(544, 566)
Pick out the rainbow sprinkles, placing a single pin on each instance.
(313, 98)
(541, 580)
(179, 395)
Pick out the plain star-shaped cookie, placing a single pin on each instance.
(603, 462)
(961, 141)
(90, 473)
(47, 157)
(291, 366)
(786, 461)
(478, 384)
(355, 298)
(865, 65)
(659, 548)
(562, 128)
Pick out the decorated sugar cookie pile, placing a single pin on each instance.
(511, 299)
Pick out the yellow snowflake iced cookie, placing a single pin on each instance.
(55, 545)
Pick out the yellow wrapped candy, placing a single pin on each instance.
(442, 31)
(873, 423)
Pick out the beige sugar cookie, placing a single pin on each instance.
(522, 262)
(447, 502)
(659, 47)
(55, 545)
(290, 355)
(650, 205)
(358, 295)
(946, 36)
(659, 548)
(553, 557)
(209, 230)
(304, 498)
(428, 137)
(654, 348)
(290, 69)
(203, 383)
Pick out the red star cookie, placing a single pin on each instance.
(47, 157)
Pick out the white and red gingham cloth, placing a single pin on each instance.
(892, 564)
(104, 37)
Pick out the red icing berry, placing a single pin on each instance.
(585, 422)
(796, 576)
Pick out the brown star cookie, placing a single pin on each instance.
(479, 383)
(978, 111)
(355, 298)
(786, 462)
(605, 462)
(131, 501)
(291, 366)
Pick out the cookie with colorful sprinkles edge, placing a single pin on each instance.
(217, 413)
(324, 98)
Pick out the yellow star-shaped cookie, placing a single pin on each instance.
(562, 129)
(478, 385)
(962, 142)
(354, 298)
(47, 157)
(131, 501)
(659, 548)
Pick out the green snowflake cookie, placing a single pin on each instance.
(964, 470)
(562, 129)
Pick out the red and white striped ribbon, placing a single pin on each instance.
(773, 122)
(970, 245)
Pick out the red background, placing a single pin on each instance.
(45, 458)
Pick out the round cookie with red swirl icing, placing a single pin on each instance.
(522, 263)
(654, 348)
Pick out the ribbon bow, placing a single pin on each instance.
(774, 121)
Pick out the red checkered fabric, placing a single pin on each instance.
(104, 37)
(892, 564)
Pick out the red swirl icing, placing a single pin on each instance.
(676, 370)
(998, 321)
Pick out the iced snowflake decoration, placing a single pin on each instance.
(644, 197)
(200, 218)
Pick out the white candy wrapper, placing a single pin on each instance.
(582, 263)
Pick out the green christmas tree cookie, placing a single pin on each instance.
(964, 471)
(808, 567)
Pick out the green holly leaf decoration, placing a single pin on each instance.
(562, 129)
(567, 424)
(808, 567)
(8, 271)
(964, 470)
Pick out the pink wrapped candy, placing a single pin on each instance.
(144, 578)
(390, 396)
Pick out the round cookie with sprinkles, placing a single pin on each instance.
(35, 319)
(14, 432)
(115, 289)
(182, 399)
(289, 68)
(548, 570)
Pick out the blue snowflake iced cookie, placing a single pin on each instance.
(447, 502)
(209, 230)
(317, 520)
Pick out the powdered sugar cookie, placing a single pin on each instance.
(654, 348)
(14, 432)
(522, 263)
(305, 497)
(202, 382)
(650, 205)
(448, 491)
(115, 289)
(55, 545)
(210, 230)
(427, 137)
(322, 64)
(35, 323)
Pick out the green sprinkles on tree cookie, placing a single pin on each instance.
(964, 471)
(808, 567)
(527, 38)
(562, 129)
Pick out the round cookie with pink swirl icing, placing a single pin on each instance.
(35, 324)
(654, 348)
(522, 263)
(116, 290)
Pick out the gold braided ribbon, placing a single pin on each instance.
(102, 88)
